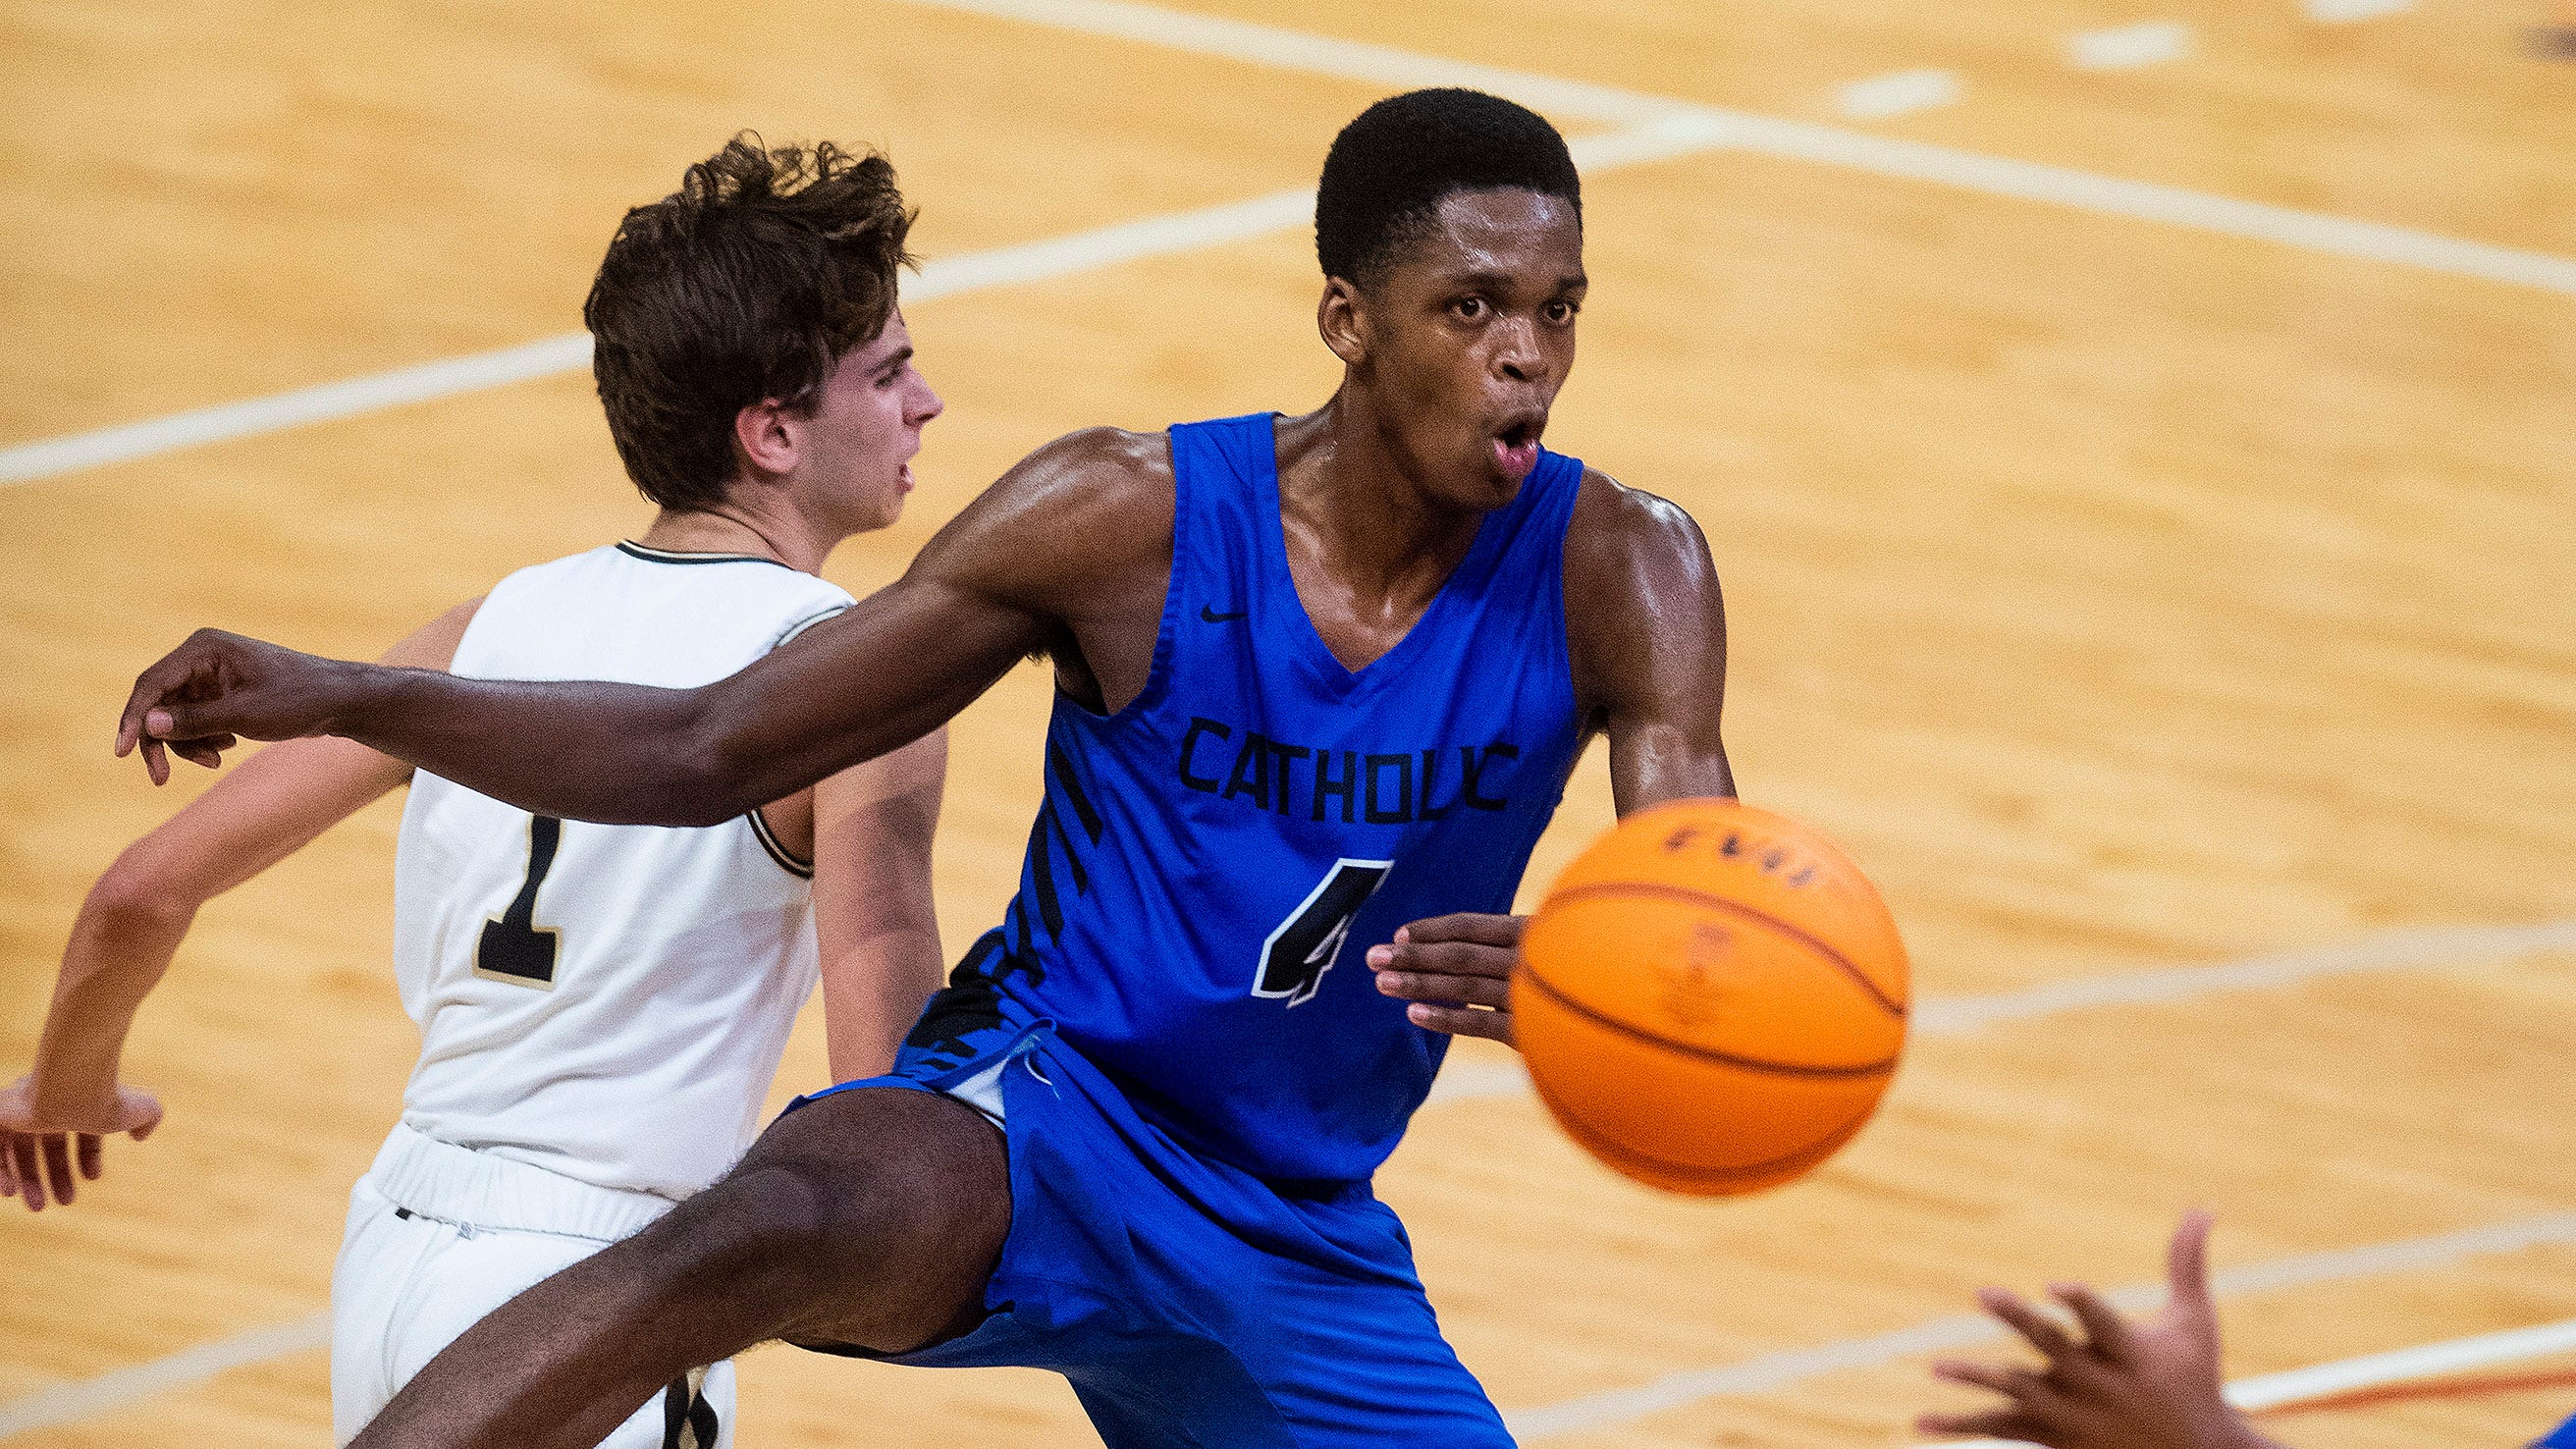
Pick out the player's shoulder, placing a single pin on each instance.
(1621, 526)
(1097, 468)
(1097, 490)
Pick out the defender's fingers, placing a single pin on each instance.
(2010, 1380)
(86, 1154)
(156, 761)
(58, 1168)
(1440, 990)
(2038, 1329)
(31, 1178)
(1468, 926)
(8, 1166)
(2187, 1260)
(2111, 1335)
(1462, 1021)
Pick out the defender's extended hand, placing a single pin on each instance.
(216, 687)
(38, 1150)
(1457, 970)
(2118, 1384)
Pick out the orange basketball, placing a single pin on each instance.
(1712, 998)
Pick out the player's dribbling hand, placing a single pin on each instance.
(217, 687)
(2117, 1384)
(1457, 972)
(39, 1151)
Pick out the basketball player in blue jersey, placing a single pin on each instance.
(1321, 682)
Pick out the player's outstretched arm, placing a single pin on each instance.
(52, 1122)
(993, 587)
(2113, 1383)
(875, 920)
(1648, 632)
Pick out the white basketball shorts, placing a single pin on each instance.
(438, 1237)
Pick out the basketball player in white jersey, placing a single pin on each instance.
(601, 1007)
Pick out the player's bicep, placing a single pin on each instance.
(1653, 635)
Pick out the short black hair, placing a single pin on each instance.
(1390, 169)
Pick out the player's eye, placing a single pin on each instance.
(1561, 311)
(1468, 309)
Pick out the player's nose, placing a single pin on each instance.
(1517, 355)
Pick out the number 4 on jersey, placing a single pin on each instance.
(1295, 958)
(514, 947)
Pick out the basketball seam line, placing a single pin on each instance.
(1842, 962)
(1751, 1064)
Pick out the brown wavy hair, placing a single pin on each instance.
(748, 283)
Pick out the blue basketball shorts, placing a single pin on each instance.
(1188, 1302)
(2562, 1437)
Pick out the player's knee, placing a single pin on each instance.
(801, 1227)
(755, 1231)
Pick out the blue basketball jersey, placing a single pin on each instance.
(1214, 860)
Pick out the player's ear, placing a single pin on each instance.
(1341, 318)
(766, 433)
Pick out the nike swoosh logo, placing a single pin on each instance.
(1208, 614)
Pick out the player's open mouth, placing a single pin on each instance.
(1516, 447)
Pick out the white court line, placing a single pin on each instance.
(2127, 47)
(2370, 1371)
(1064, 256)
(2443, 946)
(1796, 140)
(65, 1403)
(1894, 95)
(1662, 129)
(2344, 12)
(1772, 1371)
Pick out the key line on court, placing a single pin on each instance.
(2486, 1350)
(1659, 129)
(2415, 948)
(1779, 1370)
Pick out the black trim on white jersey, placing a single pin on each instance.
(809, 621)
(632, 549)
(787, 860)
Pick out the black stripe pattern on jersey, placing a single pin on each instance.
(1050, 839)
(788, 860)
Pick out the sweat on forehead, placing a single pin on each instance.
(1389, 170)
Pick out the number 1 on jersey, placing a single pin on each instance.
(1295, 958)
(514, 947)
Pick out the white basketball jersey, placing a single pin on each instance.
(608, 1002)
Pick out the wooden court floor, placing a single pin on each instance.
(2131, 595)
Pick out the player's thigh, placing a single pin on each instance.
(888, 1206)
